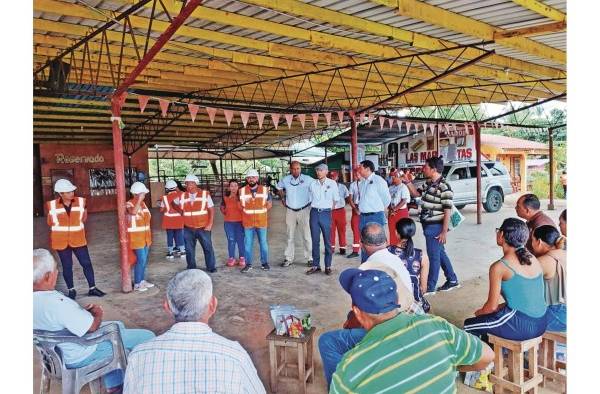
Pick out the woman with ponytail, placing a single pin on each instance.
(416, 263)
(518, 277)
(548, 246)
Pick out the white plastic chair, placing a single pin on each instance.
(73, 379)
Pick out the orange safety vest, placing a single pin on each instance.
(195, 213)
(233, 212)
(254, 208)
(139, 233)
(66, 229)
(171, 218)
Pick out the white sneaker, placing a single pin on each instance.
(147, 285)
(139, 287)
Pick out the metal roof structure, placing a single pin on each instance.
(299, 57)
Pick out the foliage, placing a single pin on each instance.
(184, 167)
(540, 185)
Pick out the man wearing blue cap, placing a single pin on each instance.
(400, 352)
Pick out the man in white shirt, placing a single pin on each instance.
(53, 311)
(374, 197)
(293, 190)
(338, 216)
(355, 220)
(398, 208)
(190, 357)
(324, 195)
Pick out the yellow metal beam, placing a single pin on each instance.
(459, 23)
(532, 30)
(416, 40)
(542, 9)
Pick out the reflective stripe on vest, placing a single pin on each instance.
(244, 197)
(203, 200)
(167, 213)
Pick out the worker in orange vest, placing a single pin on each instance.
(172, 220)
(139, 234)
(255, 201)
(355, 220)
(66, 217)
(234, 230)
(198, 214)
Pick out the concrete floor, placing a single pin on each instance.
(244, 299)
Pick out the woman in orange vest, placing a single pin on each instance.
(66, 217)
(139, 234)
(172, 221)
(233, 223)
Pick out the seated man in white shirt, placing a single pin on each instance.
(53, 311)
(190, 357)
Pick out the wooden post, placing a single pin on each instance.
(551, 169)
(478, 157)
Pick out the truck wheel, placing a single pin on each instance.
(459, 207)
(493, 202)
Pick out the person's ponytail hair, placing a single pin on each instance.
(406, 229)
(516, 234)
(550, 235)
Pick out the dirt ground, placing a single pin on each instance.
(243, 299)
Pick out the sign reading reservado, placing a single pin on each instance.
(67, 159)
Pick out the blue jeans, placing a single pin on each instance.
(130, 337)
(235, 235)
(175, 238)
(377, 217)
(557, 318)
(437, 256)
(191, 235)
(261, 234)
(139, 269)
(320, 222)
(66, 260)
(334, 344)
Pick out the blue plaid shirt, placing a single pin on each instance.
(190, 358)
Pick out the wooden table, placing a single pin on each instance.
(280, 365)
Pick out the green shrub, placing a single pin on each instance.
(539, 185)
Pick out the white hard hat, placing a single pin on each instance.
(171, 184)
(64, 186)
(252, 172)
(192, 178)
(139, 187)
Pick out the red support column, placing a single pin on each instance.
(354, 147)
(478, 155)
(117, 101)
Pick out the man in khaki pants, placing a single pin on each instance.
(293, 190)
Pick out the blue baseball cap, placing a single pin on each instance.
(372, 291)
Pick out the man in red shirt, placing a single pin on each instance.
(528, 208)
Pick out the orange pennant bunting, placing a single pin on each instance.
(289, 118)
(164, 106)
(315, 118)
(211, 114)
(228, 116)
(260, 116)
(143, 100)
(302, 119)
(275, 117)
(245, 116)
(328, 118)
(193, 111)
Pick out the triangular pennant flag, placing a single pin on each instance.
(361, 117)
(390, 123)
(143, 100)
(275, 117)
(164, 106)
(302, 119)
(371, 118)
(340, 115)
(328, 118)
(408, 126)
(245, 116)
(381, 122)
(228, 116)
(260, 116)
(399, 123)
(211, 114)
(193, 111)
(289, 118)
(315, 118)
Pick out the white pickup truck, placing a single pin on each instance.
(462, 177)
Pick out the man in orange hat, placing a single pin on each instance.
(355, 220)
(338, 215)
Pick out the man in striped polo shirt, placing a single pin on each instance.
(436, 207)
(401, 353)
